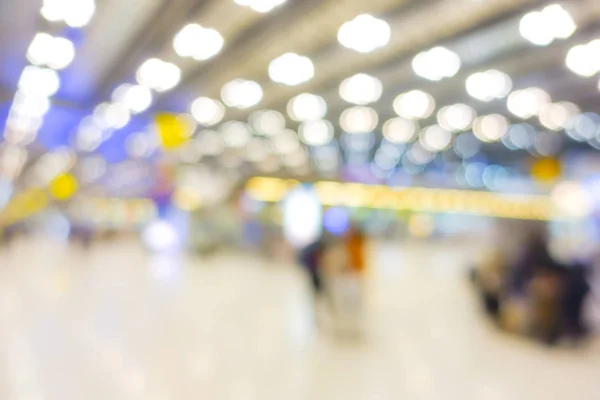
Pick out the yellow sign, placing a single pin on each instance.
(63, 187)
(173, 130)
(546, 170)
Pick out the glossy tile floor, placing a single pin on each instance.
(116, 324)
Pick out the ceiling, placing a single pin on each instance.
(123, 34)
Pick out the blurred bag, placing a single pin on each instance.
(514, 315)
(346, 291)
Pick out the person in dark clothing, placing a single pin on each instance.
(310, 258)
(576, 289)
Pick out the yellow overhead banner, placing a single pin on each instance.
(173, 130)
(24, 205)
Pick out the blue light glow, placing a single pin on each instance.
(336, 221)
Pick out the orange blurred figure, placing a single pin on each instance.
(355, 243)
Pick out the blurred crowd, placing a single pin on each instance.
(527, 290)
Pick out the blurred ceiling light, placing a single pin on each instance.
(419, 155)
(22, 122)
(99, 115)
(435, 138)
(556, 116)
(269, 164)
(75, 13)
(54, 52)
(361, 89)
(456, 118)
(358, 142)
(520, 136)
(39, 82)
(307, 107)
(158, 75)
(140, 145)
(359, 120)
(210, 143)
(327, 161)
(257, 150)
(489, 85)
(198, 42)
(474, 174)
(12, 160)
(316, 133)
(267, 122)
(584, 127)
(364, 34)
(548, 144)
(400, 130)
(490, 128)
(116, 116)
(190, 153)
(241, 94)
(528, 102)
(286, 142)
(21, 130)
(92, 169)
(291, 69)
(296, 159)
(494, 177)
(466, 145)
(88, 136)
(56, 162)
(261, 6)
(235, 134)
(207, 112)
(543, 27)
(231, 159)
(136, 98)
(387, 157)
(415, 104)
(583, 59)
(436, 64)
(29, 106)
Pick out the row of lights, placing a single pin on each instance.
(485, 86)
(363, 34)
(193, 41)
(293, 69)
(424, 199)
(261, 6)
(199, 43)
(40, 80)
(366, 33)
(451, 120)
(438, 63)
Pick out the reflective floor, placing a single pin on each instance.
(116, 324)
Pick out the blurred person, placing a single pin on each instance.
(534, 257)
(9, 234)
(355, 245)
(545, 294)
(526, 290)
(490, 278)
(310, 258)
(576, 290)
(82, 234)
(346, 273)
